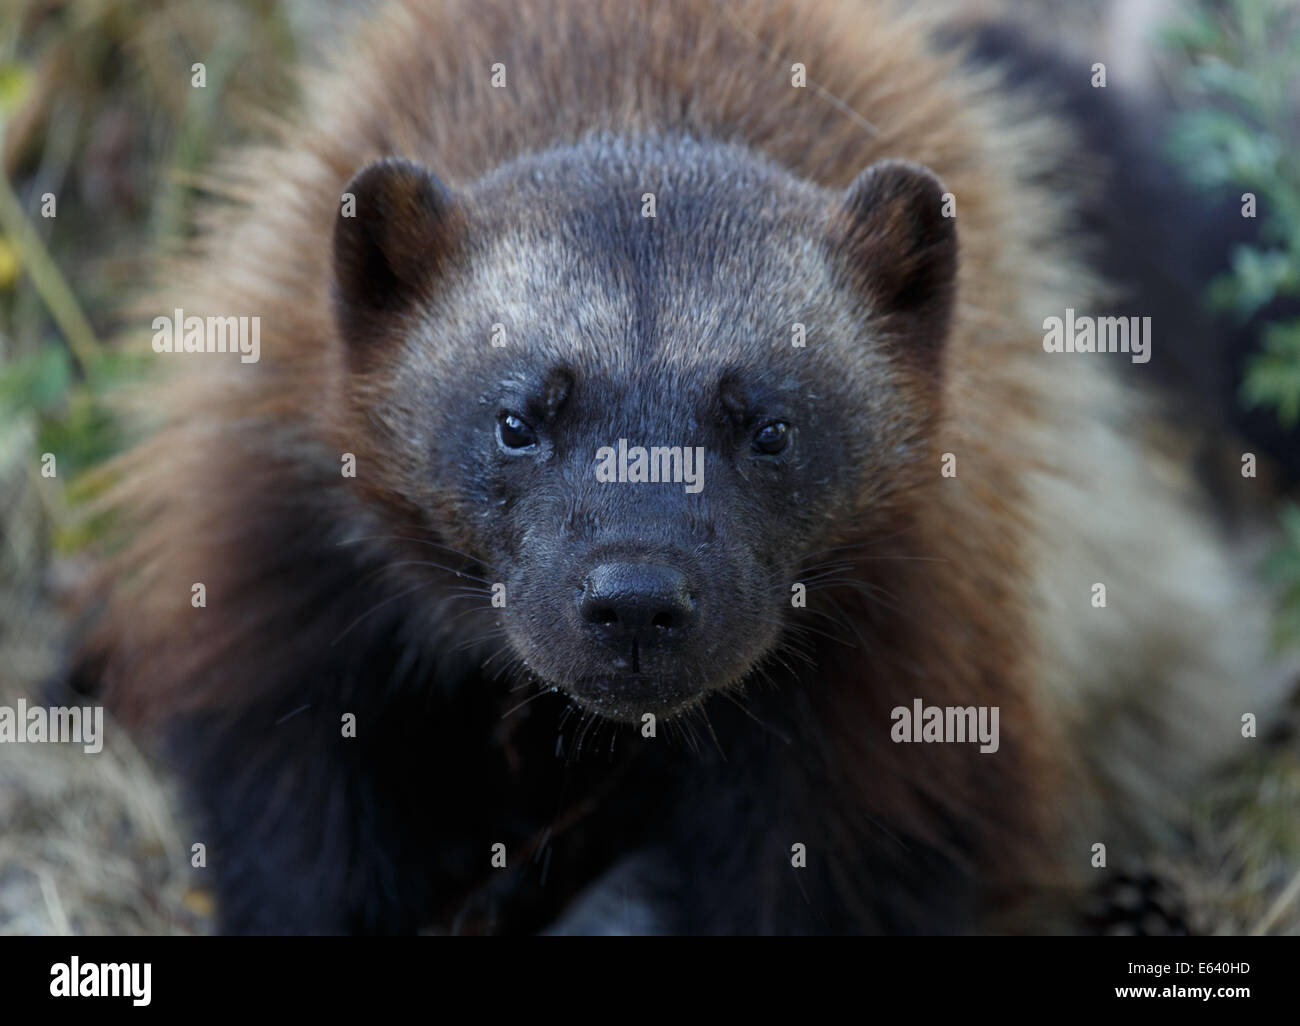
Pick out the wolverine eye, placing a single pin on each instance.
(513, 432)
(772, 437)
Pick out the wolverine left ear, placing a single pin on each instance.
(390, 244)
(900, 249)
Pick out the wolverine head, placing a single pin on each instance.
(644, 382)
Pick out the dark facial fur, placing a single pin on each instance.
(671, 331)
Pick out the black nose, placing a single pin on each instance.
(637, 601)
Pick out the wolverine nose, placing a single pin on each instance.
(637, 602)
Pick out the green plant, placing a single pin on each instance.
(1242, 72)
(98, 112)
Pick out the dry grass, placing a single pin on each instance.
(1242, 874)
(90, 845)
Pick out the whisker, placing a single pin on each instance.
(442, 566)
(375, 608)
(422, 541)
(741, 706)
(531, 698)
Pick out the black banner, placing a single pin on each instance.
(149, 976)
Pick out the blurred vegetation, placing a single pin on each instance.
(1241, 62)
(98, 111)
(104, 141)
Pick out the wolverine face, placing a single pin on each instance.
(645, 391)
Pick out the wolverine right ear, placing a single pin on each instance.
(394, 233)
(901, 250)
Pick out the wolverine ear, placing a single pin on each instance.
(901, 249)
(394, 233)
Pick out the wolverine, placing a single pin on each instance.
(447, 677)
